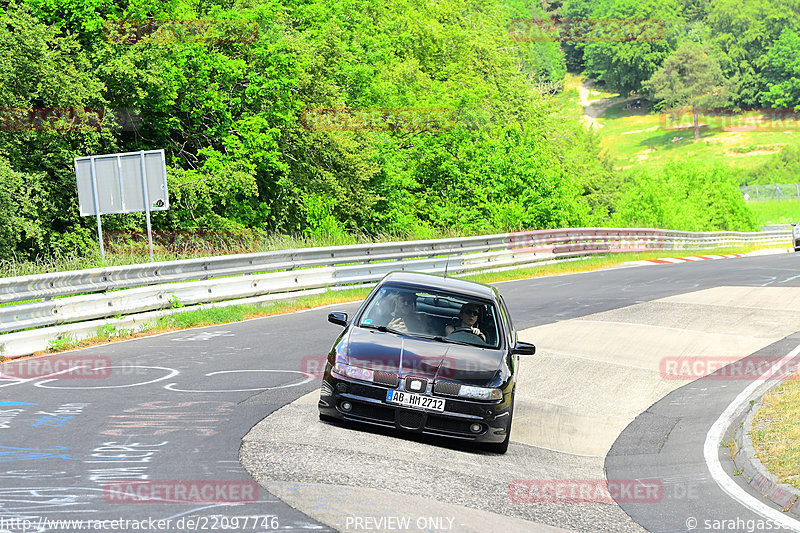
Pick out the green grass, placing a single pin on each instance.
(223, 315)
(769, 212)
(776, 432)
(636, 137)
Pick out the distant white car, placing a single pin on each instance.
(796, 236)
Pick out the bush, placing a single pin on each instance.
(21, 196)
(684, 196)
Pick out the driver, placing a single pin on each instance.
(467, 321)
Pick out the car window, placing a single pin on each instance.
(506, 316)
(433, 313)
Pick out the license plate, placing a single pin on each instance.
(417, 401)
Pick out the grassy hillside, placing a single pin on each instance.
(634, 137)
(640, 140)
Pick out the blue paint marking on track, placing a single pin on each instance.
(10, 453)
(8, 404)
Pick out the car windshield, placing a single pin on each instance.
(449, 317)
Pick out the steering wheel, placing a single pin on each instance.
(466, 330)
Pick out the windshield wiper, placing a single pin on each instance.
(439, 338)
(384, 329)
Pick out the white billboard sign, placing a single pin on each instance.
(122, 183)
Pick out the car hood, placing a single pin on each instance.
(376, 350)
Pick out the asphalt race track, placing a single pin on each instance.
(214, 408)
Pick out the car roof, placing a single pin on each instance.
(432, 281)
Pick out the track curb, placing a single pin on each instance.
(750, 467)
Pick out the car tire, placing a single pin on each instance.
(502, 447)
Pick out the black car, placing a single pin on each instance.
(426, 354)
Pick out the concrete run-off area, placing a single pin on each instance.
(589, 379)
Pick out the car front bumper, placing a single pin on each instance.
(369, 406)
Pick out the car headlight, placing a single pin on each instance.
(480, 393)
(353, 372)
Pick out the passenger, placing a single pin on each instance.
(467, 321)
(406, 316)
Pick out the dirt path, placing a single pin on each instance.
(592, 109)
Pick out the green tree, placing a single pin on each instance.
(690, 77)
(625, 65)
(742, 32)
(782, 72)
(42, 68)
(23, 207)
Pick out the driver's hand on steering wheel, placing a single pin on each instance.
(479, 333)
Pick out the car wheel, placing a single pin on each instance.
(502, 447)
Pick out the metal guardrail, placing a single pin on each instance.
(56, 284)
(221, 278)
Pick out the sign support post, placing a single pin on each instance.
(97, 210)
(146, 203)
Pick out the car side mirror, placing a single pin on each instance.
(524, 348)
(338, 318)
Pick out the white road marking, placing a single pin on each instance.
(711, 453)
(172, 372)
(309, 377)
(17, 381)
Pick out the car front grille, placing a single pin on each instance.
(372, 412)
(469, 408)
(388, 379)
(367, 391)
(447, 388)
(450, 425)
(409, 419)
